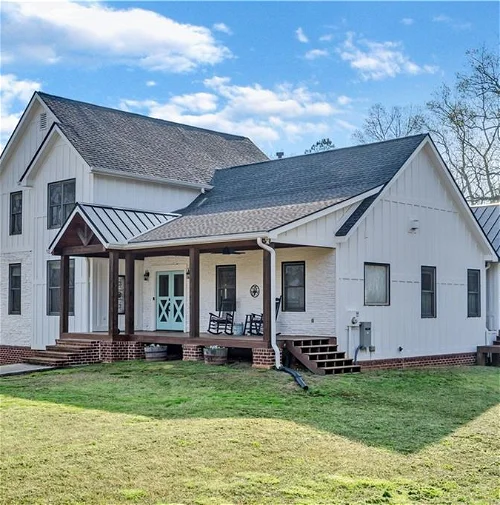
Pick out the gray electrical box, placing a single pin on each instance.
(365, 334)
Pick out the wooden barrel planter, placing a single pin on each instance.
(215, 355)
(155, 352)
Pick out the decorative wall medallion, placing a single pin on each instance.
(254, 291)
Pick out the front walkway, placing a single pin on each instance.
(22, 368)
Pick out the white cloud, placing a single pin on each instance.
(301, 36)
(379, 60)
(326, 38)
(407, 21)
(457, 25)
(222, 27)
(344, 100)
(150, 84)
(69, 31)
(263, 114)
(314, 54)
(14, 95)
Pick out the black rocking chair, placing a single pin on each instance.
(224, 321)
(254, 322)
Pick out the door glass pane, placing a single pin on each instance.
(163, 287)
(179, 285)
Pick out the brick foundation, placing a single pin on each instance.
(121, 351)
(263, 358)
(468, 358)
(10, 354)
(192, 353)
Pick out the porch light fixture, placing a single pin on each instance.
(188, 273)
(146, 275)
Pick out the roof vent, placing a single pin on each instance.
(43, 121)
(280, 154)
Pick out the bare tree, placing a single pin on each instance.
(384, 124)
(464, 121)
(321, 145)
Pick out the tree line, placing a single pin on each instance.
(463, 120)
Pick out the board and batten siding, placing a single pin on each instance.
(60, 163)
(318, 232)
(493, 297)
(443, 240)
(142, 195)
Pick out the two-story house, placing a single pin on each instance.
(134, 230)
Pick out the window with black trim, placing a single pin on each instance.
(60, 202)
(377, 284)
(225, 288)
(473, 293)
(16, 213)
(428, 305)
(15, 288)
(293, 279)
(53, 287)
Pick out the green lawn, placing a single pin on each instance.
(173, 432)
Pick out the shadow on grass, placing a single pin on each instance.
(398, 410)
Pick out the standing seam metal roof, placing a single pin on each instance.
(489, 219)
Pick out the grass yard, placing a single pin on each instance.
(174, 432)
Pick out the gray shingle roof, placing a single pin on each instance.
(116, 140)
(489, 219)
(263, 196)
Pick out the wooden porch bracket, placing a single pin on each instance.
(113, 330)
(64, 295)
(129, 293)
(194, 292)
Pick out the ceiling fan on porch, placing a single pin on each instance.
(230, 250)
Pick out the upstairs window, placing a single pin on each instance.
(225, 285)
(473, 293)
(53, 287)
(428, 292)
(16, 213)
(294, 286)
(377, 284)
(15, 288)
(61, 201)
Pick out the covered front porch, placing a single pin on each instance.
(164, 293)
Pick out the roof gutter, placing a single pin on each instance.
(149, 178)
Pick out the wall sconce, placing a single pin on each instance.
(146, 275)
(188, 273)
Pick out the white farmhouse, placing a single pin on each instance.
(120, 230)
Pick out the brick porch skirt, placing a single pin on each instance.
(467, 358)
(10, 354)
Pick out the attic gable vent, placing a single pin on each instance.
(43, 121)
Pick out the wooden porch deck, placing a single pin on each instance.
(178, 337)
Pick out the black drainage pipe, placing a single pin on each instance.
(298, 378)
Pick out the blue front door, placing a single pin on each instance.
(170, 301)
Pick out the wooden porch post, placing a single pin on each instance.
(113, 294)
(266, 301)
(64, 295)
(194, 292)
(129, 293)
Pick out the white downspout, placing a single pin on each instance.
(271, 309)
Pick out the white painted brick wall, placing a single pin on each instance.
(16, 329)
(318, 319)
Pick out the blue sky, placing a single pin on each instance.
(284, 74)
